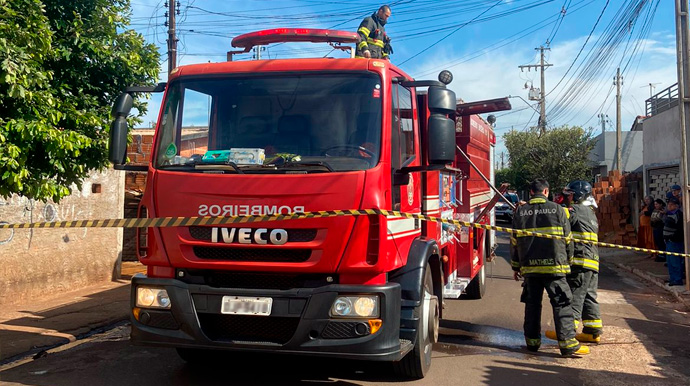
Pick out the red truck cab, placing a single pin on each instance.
(300, 136)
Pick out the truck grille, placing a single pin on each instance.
(265, 281)
(229, 328)
(253, 254)
(294, 235)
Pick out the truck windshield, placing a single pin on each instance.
(305, 123)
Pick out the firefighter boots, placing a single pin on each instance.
(582, 337)
(587, 338)
(583, 350)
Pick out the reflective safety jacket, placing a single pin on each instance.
(539, 256)
(584, 226)
(673, 226)
(372, 37)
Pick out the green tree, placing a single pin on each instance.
(62, 64)
(514, 177)
(560, 155)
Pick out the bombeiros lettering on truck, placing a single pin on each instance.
(247, 210)
(325, 134)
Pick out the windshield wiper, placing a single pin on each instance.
(307, 163)
(225, 165)
(204, 166)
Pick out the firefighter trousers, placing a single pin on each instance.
(583, 284)
(560, 297)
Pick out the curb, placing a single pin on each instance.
(654, 280)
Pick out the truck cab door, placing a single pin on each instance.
(404, 152)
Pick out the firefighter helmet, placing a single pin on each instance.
(579, 189)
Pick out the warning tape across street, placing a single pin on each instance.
(167, 222)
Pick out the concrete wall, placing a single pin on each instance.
(603, 155)
(34, 263)
(662, 146)
(662, 139)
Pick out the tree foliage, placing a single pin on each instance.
(62, 64)
(560, 155)
(514, 177)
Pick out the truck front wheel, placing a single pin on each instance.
(418, 361)
(195, 356)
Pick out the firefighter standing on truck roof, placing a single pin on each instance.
(584, 278)
(374, 43)
(544, 263)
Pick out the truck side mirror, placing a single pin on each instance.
(441, 100)
(441, 128)
(117, 149)
(441, 140)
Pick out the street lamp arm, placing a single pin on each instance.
(523, 99)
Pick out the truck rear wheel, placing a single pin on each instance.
(418, 361)
(477, 287)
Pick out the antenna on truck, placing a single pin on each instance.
(291, 35)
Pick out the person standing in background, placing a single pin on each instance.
(645, 235)
(673, 236)
(657, 221)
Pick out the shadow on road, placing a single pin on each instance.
(529, 374)
(50, 327)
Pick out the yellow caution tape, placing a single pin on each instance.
(166, 222)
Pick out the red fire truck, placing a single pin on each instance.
(304, 135)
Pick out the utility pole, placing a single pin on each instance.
(602, 120)
(618, 81)
(682, 36)
(172, 39)
(542, 92)
(502, 154)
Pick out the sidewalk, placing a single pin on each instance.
(639, 264)
(29, 329)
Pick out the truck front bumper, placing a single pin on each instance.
(299, 322)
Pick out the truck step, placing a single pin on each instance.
(405, 347)
(455, 288)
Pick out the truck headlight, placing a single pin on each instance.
(355, 307)
(149, 297)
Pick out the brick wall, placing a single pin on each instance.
(139, 151)
(614, 210)
(35, 262)
(194, 141)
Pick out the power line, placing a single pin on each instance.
(454, 31)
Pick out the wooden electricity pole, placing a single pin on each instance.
(542, 92)
(172, 39)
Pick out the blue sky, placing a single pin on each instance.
(481, 41)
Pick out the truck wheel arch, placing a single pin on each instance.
(410, 277)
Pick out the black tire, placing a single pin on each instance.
(477, 287)
(417, 362)
(195, 356)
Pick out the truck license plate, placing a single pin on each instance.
(243, 305)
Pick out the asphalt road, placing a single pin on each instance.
(646, 341)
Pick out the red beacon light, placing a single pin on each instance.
(288, 35)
